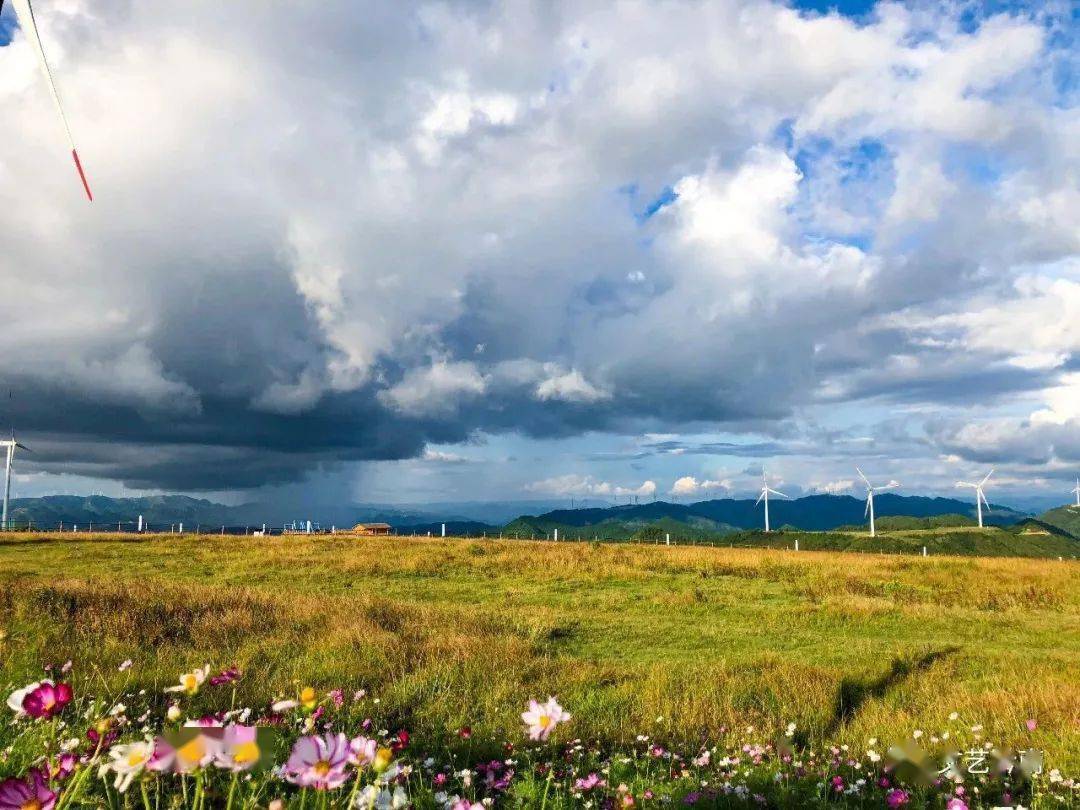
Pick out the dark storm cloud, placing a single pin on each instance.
(346, 232)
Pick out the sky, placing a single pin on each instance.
(480, 250)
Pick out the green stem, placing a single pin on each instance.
(145, 797)
(232, 790)
(355, 789)
(547, 785)
(69, 795)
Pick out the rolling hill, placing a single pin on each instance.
(1065, 518)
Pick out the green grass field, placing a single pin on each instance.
(675, 642)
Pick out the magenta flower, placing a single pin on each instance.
(956, 804)
(896, 798)
(1031, 725)
(319, 762)
(47, 699)
(30, 794)
(229, 675)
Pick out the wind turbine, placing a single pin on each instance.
(870, 490)
(10, 444)
(980, 497)
(764, 496)
(1077, 491)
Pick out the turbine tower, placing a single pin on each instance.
(1077, 491)
(764, 496)
(870, 490)
(980, 497)
(10, 445)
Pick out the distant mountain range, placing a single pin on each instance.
(811, 513)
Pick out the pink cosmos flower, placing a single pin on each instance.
(319, 762)
(542, 718)
(896, 798)
(1031, 725)
(362, 751)
(239, 749)
(956, 804)
(589, 782)
(62, 767)
(33, 793)
(47, 699)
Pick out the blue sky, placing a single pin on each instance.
(449, 251)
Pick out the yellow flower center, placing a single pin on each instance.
(190, 682)
(192, 752)
(322, 767)
(543, 721)
(135, 758)
(30, 804)
(245, 752)
(382, 759)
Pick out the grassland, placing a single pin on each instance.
(677, 642)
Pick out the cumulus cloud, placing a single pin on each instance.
(570, 387)
(839, 487)
(307, 225)
(437, 389)
(688, 486)
(576, 484)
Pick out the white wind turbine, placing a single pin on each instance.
(980, 497)
(764, 496)
(10, 444)
(870, 490)
(1076, 489)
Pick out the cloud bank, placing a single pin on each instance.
(345, 232)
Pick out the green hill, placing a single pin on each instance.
(1029, 538)
(1066, 518)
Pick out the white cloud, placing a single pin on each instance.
(570, 387)
(442, 457)
(688, 486)
(582, 485)
(437, 389)
(838, 487)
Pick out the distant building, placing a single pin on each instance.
(371, 528)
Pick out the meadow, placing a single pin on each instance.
(685, 646)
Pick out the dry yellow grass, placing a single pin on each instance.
(452, 632)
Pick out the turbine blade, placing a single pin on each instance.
(987, 477)
(863, 477)
(759, 498)
(25, 14)
(781, 494)
(866, 511)
(24, 447)
(965, 484)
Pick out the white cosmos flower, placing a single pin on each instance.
(128, 761)
(190, 681)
